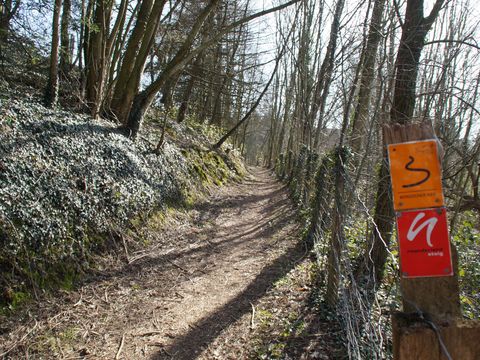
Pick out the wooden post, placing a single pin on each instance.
(429, 327)
(415, 339)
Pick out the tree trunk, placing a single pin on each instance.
(65, 47)
(252, 109)
(196, 71)
(360, 119)
(337, 237)
(84, 44)
(139, 46)
(51, 91)
(144, 99)
(183, 56)
(96, 61)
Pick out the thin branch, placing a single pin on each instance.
(397, 12)
(463, 42)
(255, 105)
(120, 348)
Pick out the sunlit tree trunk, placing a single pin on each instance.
(144, 99)
(96, 60)
(65, 47)
(139, 46)
(51, 91)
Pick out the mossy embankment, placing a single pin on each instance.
(70, 186)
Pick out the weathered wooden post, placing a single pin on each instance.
(430, 326)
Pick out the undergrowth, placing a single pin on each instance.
(72, 186)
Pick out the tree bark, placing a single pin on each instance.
(97, 57)
(65, 47)
(139, 46)
(144, 99)
(51, 91)
(195, 72)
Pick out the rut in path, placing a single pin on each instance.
(197, 279)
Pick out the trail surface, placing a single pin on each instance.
(200, 276)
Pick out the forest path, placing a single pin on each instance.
(198, 278)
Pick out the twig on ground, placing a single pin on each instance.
(252, 321)
(120, 348)
(201, 270)
(79, 300)
(147, 253)
(131, 261)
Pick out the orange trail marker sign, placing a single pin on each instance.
(424, 243)
(416, 175)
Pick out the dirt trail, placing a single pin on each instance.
(197, 279)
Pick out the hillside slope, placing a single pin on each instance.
(69, 185)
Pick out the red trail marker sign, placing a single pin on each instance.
(424, 243)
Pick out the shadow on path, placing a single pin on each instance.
(190, 345)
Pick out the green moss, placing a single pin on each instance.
(56, 341)
(19, 298)
(208, 167)
(264, 317)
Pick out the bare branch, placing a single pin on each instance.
(397, 11)
(463, 42)
(435, 11)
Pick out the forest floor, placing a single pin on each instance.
(228, 279)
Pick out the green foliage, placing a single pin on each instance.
(208, 167)
(290, 326)
(18, 298)
(208, 133)
(467, 241)
(54, 341)
(355, 232)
